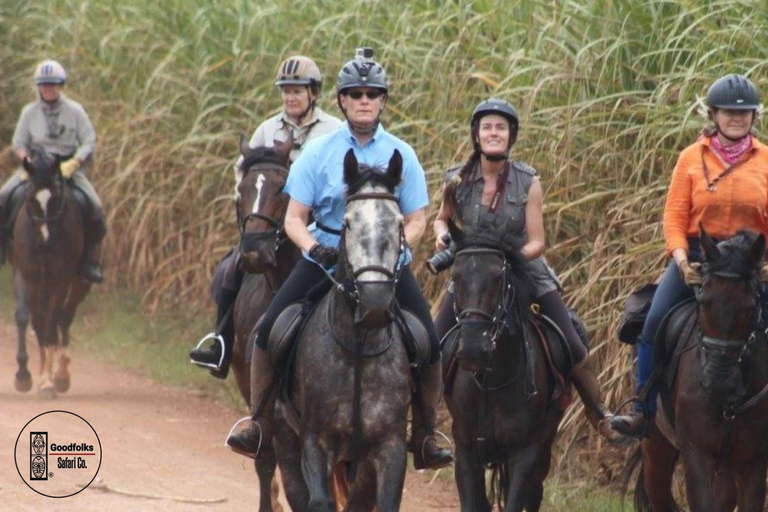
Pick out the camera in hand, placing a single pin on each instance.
(443, 259)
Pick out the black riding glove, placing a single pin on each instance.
(325, 256)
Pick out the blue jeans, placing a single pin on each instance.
(672, 290)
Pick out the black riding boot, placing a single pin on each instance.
(426, 452)
(91, 267)
(634, 424)
(250, 434)
(225, 327)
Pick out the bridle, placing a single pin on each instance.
(277, 228)
(723, 354)
(500, 318)
(350, 289)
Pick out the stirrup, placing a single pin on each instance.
(211, 336)
(231, 430)
(434, 436)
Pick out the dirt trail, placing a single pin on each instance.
(162, 447)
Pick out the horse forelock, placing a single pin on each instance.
(264, 155)
(374, 176)
(735, 256)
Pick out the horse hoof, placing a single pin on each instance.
(61, 384)
(47, 393)
(23, 383)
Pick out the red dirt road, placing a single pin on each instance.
(162, 447)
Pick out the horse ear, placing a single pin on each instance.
(457, 234)
(245, 148)
(284, 148)
(395, 167)
(757, 253)
(351, 170)
(27, 165)
(711, 252)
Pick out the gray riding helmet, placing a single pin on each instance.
(362, 71)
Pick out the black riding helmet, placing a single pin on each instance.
(734, 92)
(498, 107)
(362, 71)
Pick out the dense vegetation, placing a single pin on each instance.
(607, 92)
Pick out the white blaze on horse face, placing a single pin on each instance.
(43, 196)
(259, 183)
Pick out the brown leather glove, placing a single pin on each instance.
(764, 273)
(690, 272)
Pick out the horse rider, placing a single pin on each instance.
(719, 182)
(492, 192)
(60, 126)
(300, 120)
(316, 186)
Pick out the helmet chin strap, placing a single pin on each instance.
(362, 130)
(496, 157)
(722, 133)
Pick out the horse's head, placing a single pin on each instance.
(262, 204)
(730, 311)
(45, 199)
(372, 238)
(492, 292)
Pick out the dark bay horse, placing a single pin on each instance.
(46, 256)
(266, 257)
(500, 394)
(714, 413)
(352, 384)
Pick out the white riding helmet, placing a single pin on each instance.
(50, 72)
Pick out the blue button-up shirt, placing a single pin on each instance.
(316, 179)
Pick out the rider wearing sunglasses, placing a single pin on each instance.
(316, 185)
(61, 127)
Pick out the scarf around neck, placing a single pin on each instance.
(731, 154)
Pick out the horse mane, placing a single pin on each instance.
(735, 256)
(375, 175)
(263, 155)
(521, 278)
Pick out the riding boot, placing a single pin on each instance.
(225, 327)
(91, 267)
(634, 424)
(426, 452)
(250, 434)
(585, 381)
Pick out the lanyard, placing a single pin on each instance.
(501, 184)
(712, 184)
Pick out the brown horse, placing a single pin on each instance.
(267, 257)
(46, 256)
(500, 395)
(713, 407)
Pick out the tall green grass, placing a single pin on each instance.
(606, 91)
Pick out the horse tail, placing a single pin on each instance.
(641, 500)
(499, 484)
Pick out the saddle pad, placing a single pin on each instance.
(677, 324)
(558, 356)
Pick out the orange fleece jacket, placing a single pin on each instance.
(740, 200)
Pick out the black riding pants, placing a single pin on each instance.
(550, 304)
(306, 275)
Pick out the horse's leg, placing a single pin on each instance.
(23, 380)
(265, 468)
(288, 451)
(470, 479)
(706, 491)
(521, 468)
(751, 483)
(659, 457)
(79, 289)
(314, 465)
(390, 464)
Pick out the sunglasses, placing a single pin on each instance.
(371, 95)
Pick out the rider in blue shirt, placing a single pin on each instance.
(315, 185)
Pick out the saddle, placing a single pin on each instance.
(678, 324)
(554, 346)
